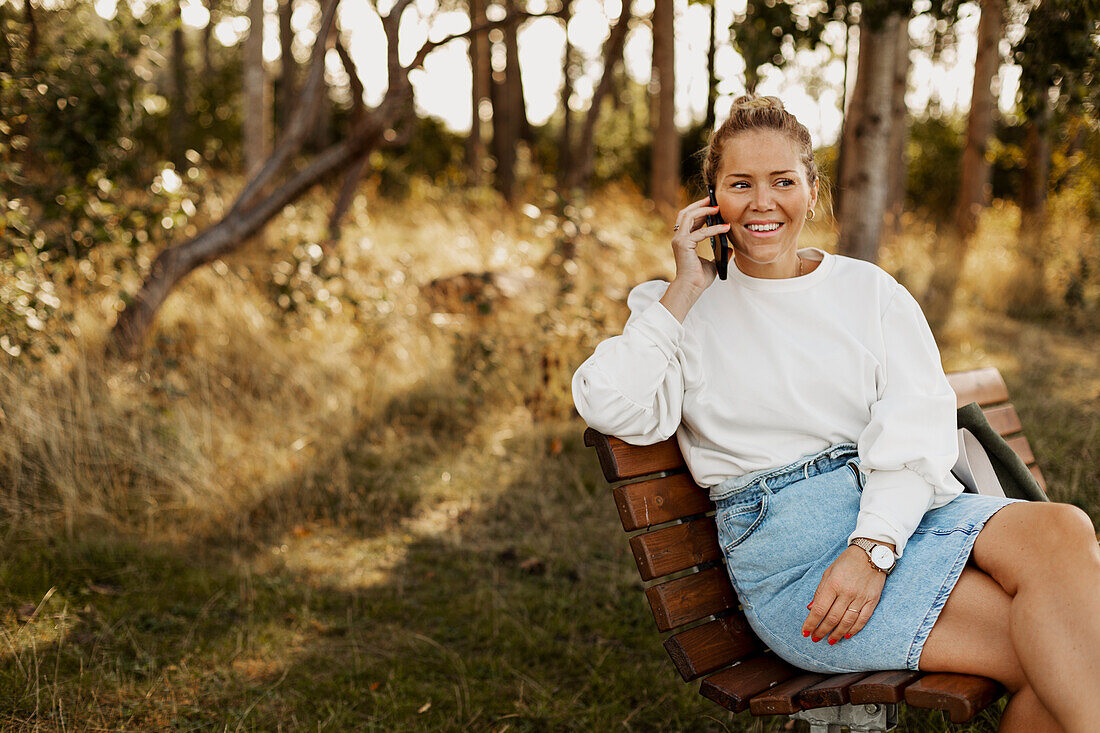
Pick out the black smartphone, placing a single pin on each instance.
(719, 242)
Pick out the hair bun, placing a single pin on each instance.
(752, 101)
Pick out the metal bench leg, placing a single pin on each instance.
(857, 718)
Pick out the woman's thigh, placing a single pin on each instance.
(971, 635)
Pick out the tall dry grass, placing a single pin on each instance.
(236, 398)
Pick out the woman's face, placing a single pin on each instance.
(764, 194)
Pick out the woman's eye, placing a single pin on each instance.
(739, 184)
(785, 182)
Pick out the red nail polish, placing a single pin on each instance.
(816, 639)
(847, 636)
(832, 641)
(805, 633)
(810, 605)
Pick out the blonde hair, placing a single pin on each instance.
(748, 113)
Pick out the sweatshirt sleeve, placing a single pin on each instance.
(632, 386)
(909, 446)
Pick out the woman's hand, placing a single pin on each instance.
(693, 273)
(845, 598)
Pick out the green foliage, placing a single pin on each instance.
(769, 31)
(1060, 50)
(934, 151)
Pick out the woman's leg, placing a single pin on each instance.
(971, 636)
(1045, 559)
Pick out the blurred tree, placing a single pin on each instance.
(768, 31)
(899, 130)
(288, 66)
(1059, 56)
(974, 176)
(583, 156)
(481, 70)
(278, 182)
(865, 144)
(510, 124)
(569, 72)
(664, 186)
(177, 94)
(255, 106)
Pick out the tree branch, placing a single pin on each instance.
(430, 46)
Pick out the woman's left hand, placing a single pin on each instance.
(845, 598)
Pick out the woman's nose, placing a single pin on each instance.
(762, 199)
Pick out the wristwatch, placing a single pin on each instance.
(881, 556)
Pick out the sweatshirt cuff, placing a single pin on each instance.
(661, 328)
(892, 505)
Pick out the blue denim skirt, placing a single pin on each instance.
(780, 529)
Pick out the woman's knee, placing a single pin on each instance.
(1035, 541)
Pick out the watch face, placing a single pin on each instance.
(882, 557)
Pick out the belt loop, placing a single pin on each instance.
(806, 470)
(764, 486)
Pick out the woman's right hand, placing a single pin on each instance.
(693, 273)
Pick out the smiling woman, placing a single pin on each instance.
(807, 395)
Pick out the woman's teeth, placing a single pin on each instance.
(762, 227)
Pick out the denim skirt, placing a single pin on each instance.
(780, 529)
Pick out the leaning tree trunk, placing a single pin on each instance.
(712, 74)
(973, 196)
(265, 195)
(665, 171)
(865, 169)
(579, 176)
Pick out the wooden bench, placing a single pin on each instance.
(674, 541)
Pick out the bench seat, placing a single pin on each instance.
(674, 541)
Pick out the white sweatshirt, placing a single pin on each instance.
(763, 372)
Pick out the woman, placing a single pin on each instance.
(806, 392)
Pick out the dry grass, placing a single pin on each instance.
(373, 511)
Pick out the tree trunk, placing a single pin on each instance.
(845, 118)
(665, 173)
(712, 75)
(1028, 290)
(862, 190)
(513, 79)
(255, 130)
(207, 51)
(481, 71)
(177, 109)
(585, 155)
(565, 143)
(288, 66)
(899, 130)
(505, 135)
(973, 195)
(32, 31)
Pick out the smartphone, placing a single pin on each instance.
(719, 243)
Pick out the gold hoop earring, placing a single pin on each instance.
(810, 215)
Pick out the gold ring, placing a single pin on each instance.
(853, 609)
(675, 227)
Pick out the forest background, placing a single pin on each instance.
(286, 438)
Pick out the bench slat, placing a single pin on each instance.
(656, 501)
(881, 687)
(783, 698)
(983, 386)
(1022, 448)
(733, 687)
(683, 600)
(829, 692)
(710, 646)
(1003, 419)
(679, 547)
(962, 695)
(620, 460)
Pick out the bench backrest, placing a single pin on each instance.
(675, 540)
